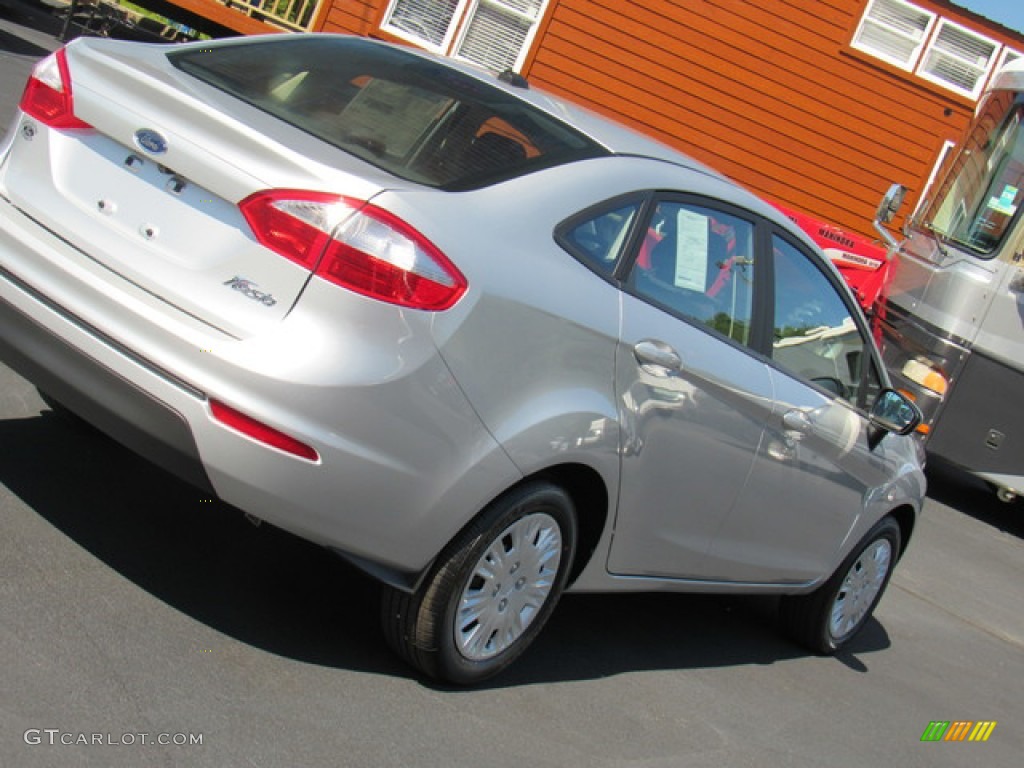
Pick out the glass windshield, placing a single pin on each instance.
(984, 188)
(411, 116)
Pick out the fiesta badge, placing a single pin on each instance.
(150, 141)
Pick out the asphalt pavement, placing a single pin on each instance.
(143, 625)
(28, 31)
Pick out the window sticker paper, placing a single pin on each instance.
(691, 250)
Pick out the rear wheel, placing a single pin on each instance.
(828, 618)
(491, 590)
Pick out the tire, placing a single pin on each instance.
(828, 618)
(490, 592)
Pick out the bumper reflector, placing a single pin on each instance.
(260, 432)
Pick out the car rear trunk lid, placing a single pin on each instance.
(152, 191)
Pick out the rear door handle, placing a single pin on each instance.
(650, 352)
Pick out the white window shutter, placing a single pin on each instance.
(424, 21)
(497, 31)
(1010, 55)
(894, 30)
(959, 59)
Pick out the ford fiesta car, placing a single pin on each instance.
(477, 341)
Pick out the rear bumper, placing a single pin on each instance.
(404, 460)
(113, 404)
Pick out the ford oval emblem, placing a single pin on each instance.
(150, 141)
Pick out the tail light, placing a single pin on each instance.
(355, 245)
(47, 96)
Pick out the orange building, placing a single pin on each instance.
(816, 104)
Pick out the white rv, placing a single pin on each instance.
(952, 315)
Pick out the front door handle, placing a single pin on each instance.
(797, 421)
(658, 354)
(1017, 283)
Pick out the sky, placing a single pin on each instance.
(1009, 13)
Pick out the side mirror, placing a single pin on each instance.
(887, 210)
(895, 412)
(890, 203)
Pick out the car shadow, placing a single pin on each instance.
(20, 47)
(967, 494)
(596, 636)
(29, 16)
(276, 592)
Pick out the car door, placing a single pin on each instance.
(817, 471)
(693, 400)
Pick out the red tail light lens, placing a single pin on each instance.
(355, 245)
(259, 431)
(47, 95)
(378, 255)
(294, 223)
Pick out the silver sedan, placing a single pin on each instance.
(480, 342)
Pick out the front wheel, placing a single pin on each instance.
(828, 618)
(491, 590)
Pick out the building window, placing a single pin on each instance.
(1009, 55)
(494, 34)
(934, 48)
(894, 31)
(425, 21)
(959, 59)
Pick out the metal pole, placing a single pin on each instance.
(67, 21)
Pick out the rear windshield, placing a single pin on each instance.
(410, 116)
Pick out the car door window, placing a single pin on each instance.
(597, 237)
(698, 263)
(815, 336)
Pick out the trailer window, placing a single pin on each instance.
(984, 190)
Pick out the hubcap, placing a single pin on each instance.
(508, 586)
(859, 589)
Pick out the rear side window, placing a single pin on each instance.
(410, 116)
(597, 237)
